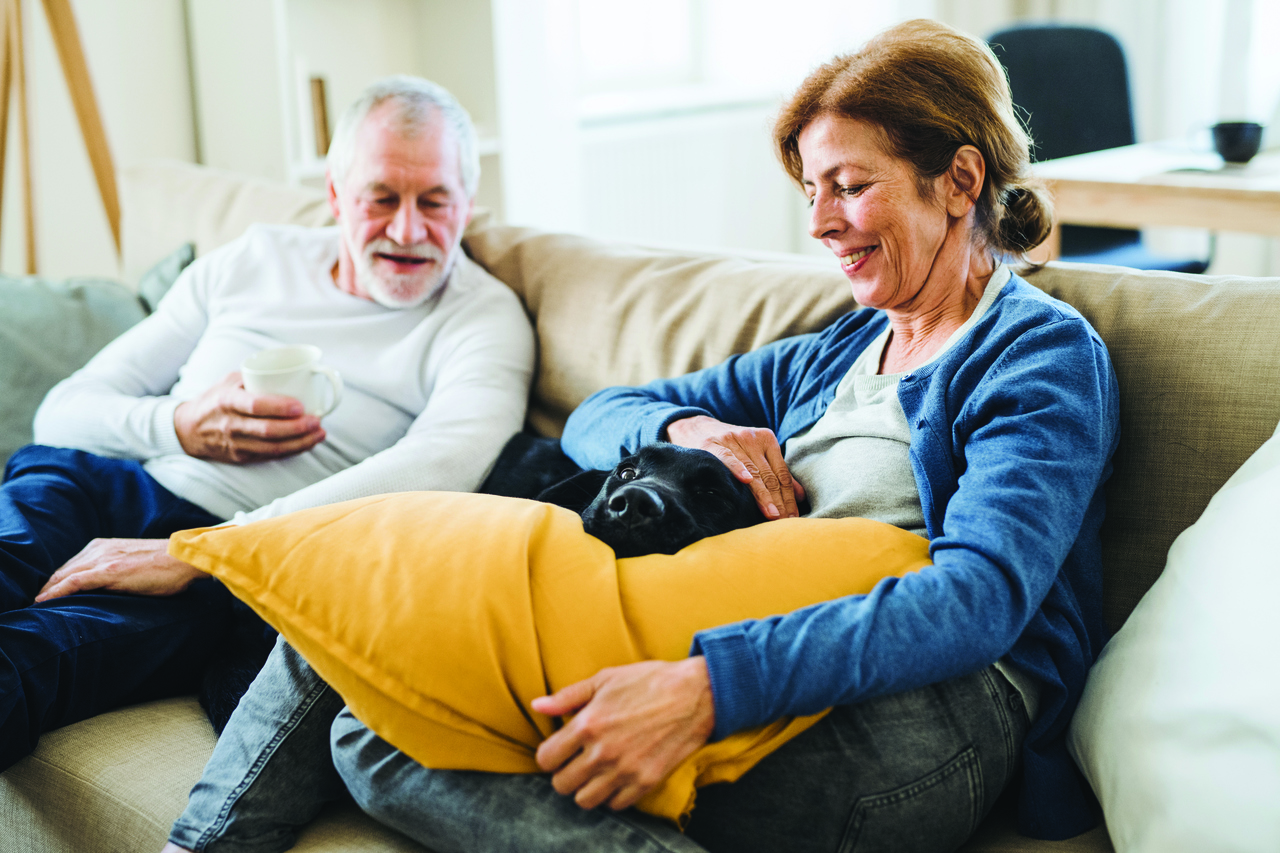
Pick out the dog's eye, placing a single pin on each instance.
(626, 472)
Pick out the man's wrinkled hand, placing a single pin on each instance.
(753, 455)
(633, 725)
(141, 566)
(229, 424)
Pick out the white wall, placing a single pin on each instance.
(136, 54)
(138, 60)
(559, 170)
(237, 86)
(253, 60)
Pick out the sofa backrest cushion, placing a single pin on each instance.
(48, 329)
(1198, 360)
(616, 314)
(1197, 357)
(167, 203)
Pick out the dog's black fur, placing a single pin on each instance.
(655, 501)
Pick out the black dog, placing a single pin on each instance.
(655, 501)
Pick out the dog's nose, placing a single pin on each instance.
(635, 505)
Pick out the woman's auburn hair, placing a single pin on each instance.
(931, 89)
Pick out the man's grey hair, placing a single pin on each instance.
(416, 102)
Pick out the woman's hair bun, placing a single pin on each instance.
(1024, 219)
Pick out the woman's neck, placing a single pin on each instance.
(945, 303)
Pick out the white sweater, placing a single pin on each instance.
(431, 393)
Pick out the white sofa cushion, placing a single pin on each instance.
(1179, 728)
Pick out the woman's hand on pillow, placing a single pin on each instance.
(634, 724)
(752, 454)
(140, 566)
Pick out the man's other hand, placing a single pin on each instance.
(141, 566)
(633, 725)
(229, 424)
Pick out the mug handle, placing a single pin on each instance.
(335, 384)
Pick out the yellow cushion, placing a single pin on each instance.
(440, 616)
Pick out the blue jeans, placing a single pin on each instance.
(912, 772)
(270, 772)
(74, 657)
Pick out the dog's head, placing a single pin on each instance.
(660, 499)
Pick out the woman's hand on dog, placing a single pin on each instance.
(753, 455)
(633, 725)
(141, 566)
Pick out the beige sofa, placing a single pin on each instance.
(1198, 360)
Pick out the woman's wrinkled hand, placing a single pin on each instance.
(229, 424)
(632, 726)
(141, 566)
(751, 454)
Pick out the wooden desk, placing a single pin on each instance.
(1163, 183)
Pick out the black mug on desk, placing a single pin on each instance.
(1237, 141)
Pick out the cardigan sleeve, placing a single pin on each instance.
(745, 390)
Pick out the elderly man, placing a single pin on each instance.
(157, 433)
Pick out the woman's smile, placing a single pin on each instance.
(853, 262)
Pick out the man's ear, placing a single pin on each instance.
(965, 177)
(331, 193)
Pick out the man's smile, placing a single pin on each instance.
(414, 260)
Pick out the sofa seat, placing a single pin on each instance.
(116, 783)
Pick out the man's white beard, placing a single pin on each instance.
(401, 290)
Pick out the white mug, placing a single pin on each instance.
(293, 371)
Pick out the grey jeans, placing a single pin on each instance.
(915, 771)
(270, 772)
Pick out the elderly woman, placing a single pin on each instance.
(960, 403)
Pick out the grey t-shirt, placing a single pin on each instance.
(854, 461)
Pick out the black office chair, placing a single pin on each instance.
(1072, 85)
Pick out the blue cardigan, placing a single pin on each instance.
(1013, 429)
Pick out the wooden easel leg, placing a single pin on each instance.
(6, 87)
(18, 66)
(66, 38)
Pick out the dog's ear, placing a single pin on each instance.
(577, 492)
(527, 465)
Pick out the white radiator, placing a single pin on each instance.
(706, 178)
